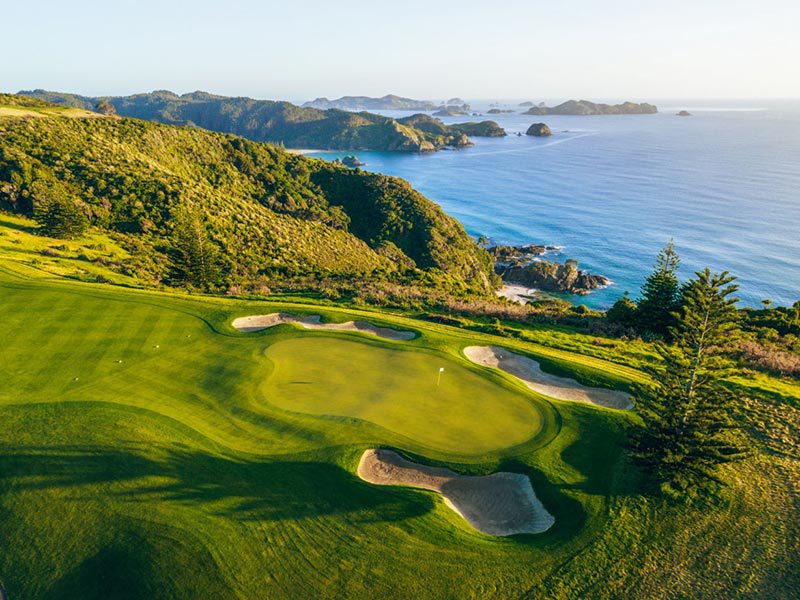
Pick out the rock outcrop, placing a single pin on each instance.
(553, 277)
(539, 130)
(350, 160)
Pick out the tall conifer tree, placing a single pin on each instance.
(660, 294)
(688, 428)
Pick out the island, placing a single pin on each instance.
(584, 107)
(539, 130)
(349, 161)
(435, 131)
(358, 103)
(270, 121)
(684, 113)
(526, 103)
(498, 111)
(480, 129)
(451, 111)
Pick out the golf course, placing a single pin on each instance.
(150, 448)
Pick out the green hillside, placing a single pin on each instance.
(269, 121)
(163, 192)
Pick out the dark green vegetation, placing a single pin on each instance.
(58, 216)
(584, 107)
(143, 454)
(264, 120)
(480, 129)
(661, 294)
(262, 216)
(688, 415)
(388, 102)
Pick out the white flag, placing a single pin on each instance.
(441, 369)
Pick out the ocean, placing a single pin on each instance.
(610, 191)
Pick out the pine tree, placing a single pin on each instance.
(688, 428)
(195, 259)
(660, 294)
(60, 217)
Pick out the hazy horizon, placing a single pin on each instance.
(724, 50)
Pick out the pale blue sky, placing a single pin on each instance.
(487, 49)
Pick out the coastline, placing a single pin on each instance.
(302, 151)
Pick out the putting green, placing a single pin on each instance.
(397, 389)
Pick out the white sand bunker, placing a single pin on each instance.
(528, 371)
(498, 504)
(259, 322)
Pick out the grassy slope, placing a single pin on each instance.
(113, 483)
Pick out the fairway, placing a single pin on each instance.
(141, 434)
(397, 389)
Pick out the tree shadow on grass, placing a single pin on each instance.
(239, 489)
(598, 453)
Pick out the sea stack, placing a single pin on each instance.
(539, 130)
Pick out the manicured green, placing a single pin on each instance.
(397, 389)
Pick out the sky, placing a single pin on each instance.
(509, 49)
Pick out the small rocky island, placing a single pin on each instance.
(481, 129)
(451, 111)
(349, 161)
(520, 265)
(539, 130)
(498, 111)
(684, 113)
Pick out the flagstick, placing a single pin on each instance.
(439, 378)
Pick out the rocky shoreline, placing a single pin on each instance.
(522, 266)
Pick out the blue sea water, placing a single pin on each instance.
(612, 190)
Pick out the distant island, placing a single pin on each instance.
(388, 102)
(481, 129)
(435, 129)
(684, 113)
(452, 111)
(499, 111)
(539, 130)
(584, 107)
(270, 121)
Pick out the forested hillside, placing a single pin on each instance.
(212, 211)
(265, 120)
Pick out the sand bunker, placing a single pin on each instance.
(498, 504)
(529, 371)
(259, 322)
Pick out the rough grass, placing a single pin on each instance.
(169, 474)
